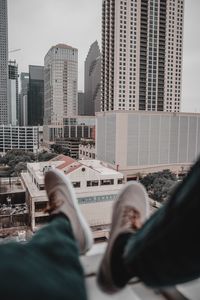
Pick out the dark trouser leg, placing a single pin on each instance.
(47, 267)
(166, 250)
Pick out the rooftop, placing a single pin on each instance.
(99, 166)
(64, 46)
(68, 165)
(12, 185)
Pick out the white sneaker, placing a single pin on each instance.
(130, 211)
(62, 199)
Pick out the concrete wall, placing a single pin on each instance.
(133, 140)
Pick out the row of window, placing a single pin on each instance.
(77, 184)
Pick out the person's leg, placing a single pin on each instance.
(47, 267)
(165, 251)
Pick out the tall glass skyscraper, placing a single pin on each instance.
(3, 62)
(92, 80)
(36, 96)
(142, 50)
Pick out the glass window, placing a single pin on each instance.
(76, 184)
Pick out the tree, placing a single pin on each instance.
(159, 184)
(60, 149)
(16, 156)
(45, 156)
(21, 166)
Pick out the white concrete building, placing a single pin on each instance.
(142, 49)
(60, 83)
(87, 150)
(95, 185)
(18, 137)
(144, 142)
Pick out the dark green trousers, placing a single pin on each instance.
(46, 268)
(166, 250)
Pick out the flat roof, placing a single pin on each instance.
(99, 166)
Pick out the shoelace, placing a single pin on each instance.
(54, 203)
(130, 217)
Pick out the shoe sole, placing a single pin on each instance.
(108, 286)
(84, 225)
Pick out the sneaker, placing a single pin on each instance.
(62, 199)
(129, 213)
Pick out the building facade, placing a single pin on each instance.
(96, 187)
(3, 62)
(87, 149)
(81, 103)
(142, 49)
(146, 141)
(18, 137)
(60, 83)
(13, 208)
(75, 127)
(13, 95)
(23, 99)
(92, 83)
(36, 96)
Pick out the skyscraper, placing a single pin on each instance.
(142, 45)
(81, 103)
(13, 96)
(23, 99)
(60, 83)
(3, 62)
(92, 101)
(36, 96)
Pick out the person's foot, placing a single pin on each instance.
(129, 213)
(62, 199)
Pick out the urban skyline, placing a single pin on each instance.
(78, 36)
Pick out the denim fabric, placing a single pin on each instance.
(166, 250)
(47, 267)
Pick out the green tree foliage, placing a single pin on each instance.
(45, 156)
(17, 159)
(21, 166)
(60, 149)
(159, 184)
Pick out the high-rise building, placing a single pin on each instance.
(36, 96)
(93, 80)
(23, 99)
(142, 47)
(60, 83)
(81, 103)
(3, 62)
(13, 96)
(19, 137)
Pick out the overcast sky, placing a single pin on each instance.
(36, 25)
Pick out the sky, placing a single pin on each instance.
(36, 25)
